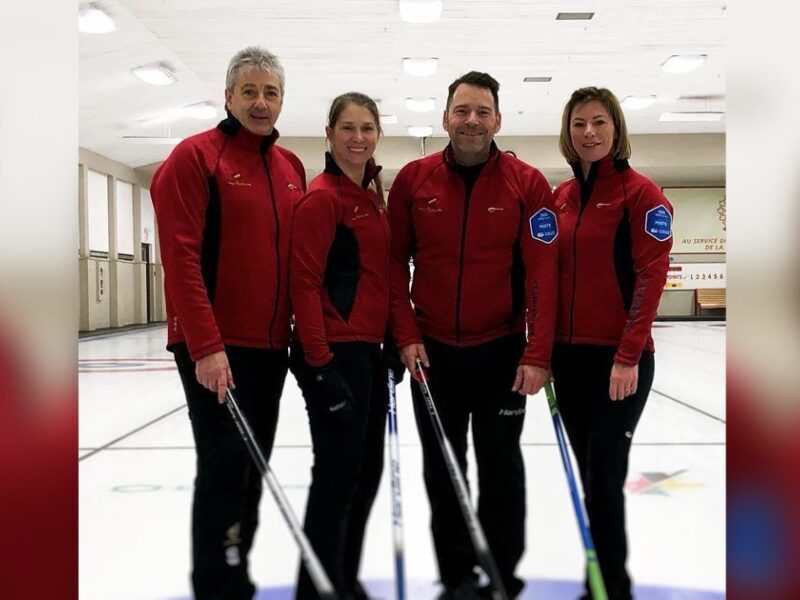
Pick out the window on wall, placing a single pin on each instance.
(97, 185)
(148, 234)
(124, 220)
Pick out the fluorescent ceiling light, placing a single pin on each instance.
(574, 16)
(94, 20)
(420, 131)
(637, 102)
(155, 74)
(537, 79)
(388, 119)
(153, 139)
(201, 110)
(420, 66)
(683, 63)
(691, 116)
(421, 104)
(420, 11)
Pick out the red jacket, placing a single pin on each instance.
(616, 234)
(224, 201)
(484, 263)
(339, 264)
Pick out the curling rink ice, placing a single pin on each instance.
(136, 465)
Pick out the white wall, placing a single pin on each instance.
(124, 217)
(124, 299)
(98, 211)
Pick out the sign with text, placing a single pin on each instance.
(692, 276)
(699, 225)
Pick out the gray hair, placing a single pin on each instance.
(254, 57)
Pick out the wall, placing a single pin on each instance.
(115, 218)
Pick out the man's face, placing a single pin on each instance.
(471, 122)
(256, 100)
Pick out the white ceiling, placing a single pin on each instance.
(332, 46)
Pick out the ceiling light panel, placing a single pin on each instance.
(691, 117)
(637, 102)
(201, 110)
(94, 20)
(155, 74)
(537, 79)
(420, 11)
(388, 119)
(420, 67)
(683, 63)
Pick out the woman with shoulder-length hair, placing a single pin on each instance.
(616, 235)
(339, 291)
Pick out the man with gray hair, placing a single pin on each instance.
(224, 201)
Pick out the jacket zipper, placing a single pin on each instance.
(583, 205)
(277, 247)
(467, 195)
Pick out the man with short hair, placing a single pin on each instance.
(224, 201)
(480, 228)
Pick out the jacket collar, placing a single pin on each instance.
(449, 158)
(371, 169)
(601, 168)
(232, 128)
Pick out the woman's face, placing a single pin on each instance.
(353, 137)
(591, 131)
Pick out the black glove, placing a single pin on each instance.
(331, 392)
(391, 359)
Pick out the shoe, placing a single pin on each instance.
(466, 590)
(513, 589)
(358, 592)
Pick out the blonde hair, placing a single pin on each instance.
(621, 148)
(338, 105)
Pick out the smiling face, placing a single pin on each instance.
(256, 100)
(353, 137)
(471, 121)
(591, 131)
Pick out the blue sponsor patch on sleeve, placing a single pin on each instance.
(658, 223)
(544, 226)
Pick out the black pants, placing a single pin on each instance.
(600, 432)
(227, 487)
(348, 462)
(476, 381)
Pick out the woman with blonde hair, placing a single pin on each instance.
(616, 234)
(339, 291)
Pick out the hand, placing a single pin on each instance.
(409, 355)
(530, 379)
(214, 373)
(624, 381)
(391, 359)
(333, 392)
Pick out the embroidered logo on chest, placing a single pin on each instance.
(236, 180)
(430, 206)
(358, 213)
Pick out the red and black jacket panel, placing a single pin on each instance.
(224, 200)
(616, 235)
(339, 263)
(484, 258)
